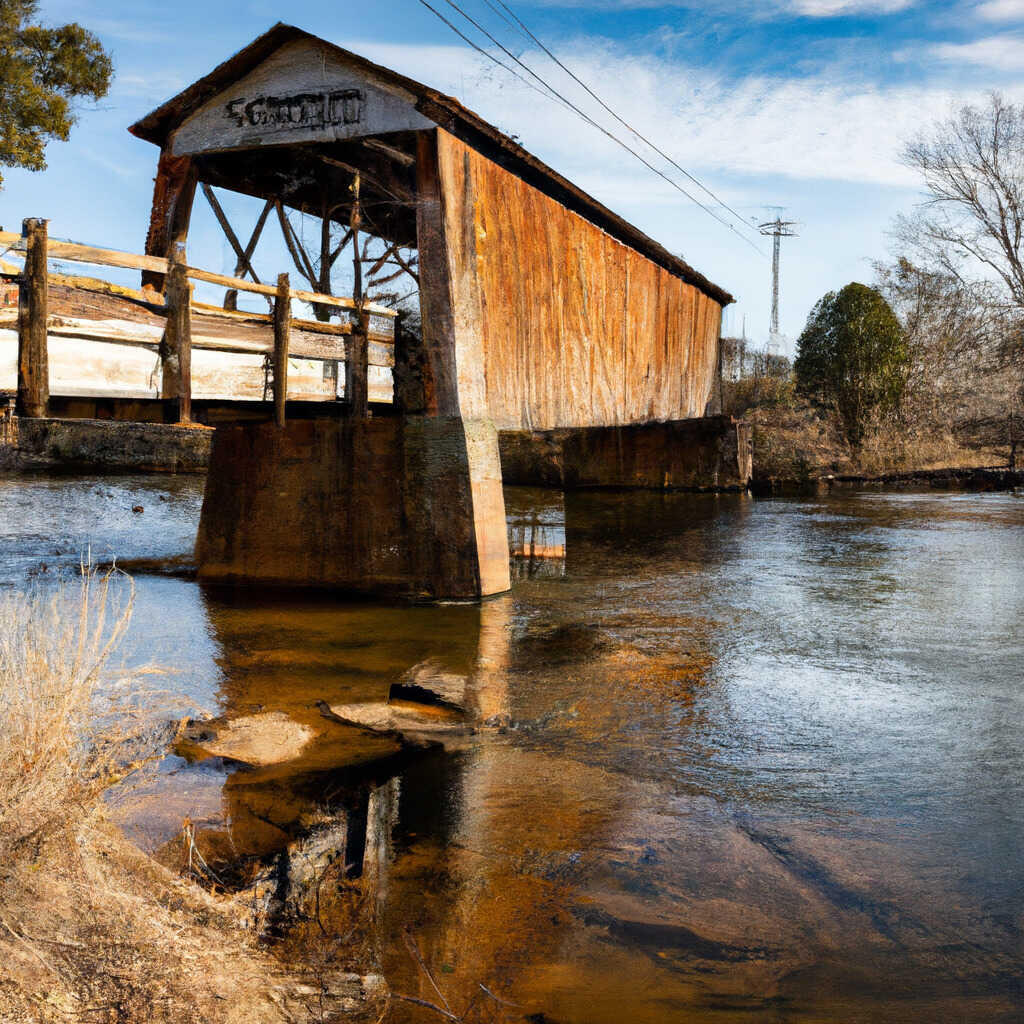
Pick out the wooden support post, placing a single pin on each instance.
(407, 376)
(176, 348)
(282, 331)
(323, 283)
(436, 365)
(174, 191)
(356, 386)
(355, 222)
(33, 364)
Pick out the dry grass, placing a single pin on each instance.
(53, 754)
(91, 928)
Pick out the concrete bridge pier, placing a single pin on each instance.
(408, 505)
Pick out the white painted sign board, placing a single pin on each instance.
(301, 93)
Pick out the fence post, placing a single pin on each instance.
(282, 332)
(176, 350)
(356, 358)
(33, 363)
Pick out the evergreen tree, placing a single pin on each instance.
(853, 353)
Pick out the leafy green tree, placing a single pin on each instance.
(853, 352)
(42, 70)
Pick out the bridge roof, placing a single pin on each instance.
(446, 112)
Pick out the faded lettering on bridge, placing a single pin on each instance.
(312, 110)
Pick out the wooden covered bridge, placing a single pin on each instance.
(547, 322)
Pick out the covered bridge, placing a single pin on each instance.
(541, 310)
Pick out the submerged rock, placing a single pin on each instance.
(418, 724)
(334, 993)
(264, 739)
(428, 683)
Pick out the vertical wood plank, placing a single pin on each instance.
(356, 354)
(176, 348)
(578, 329)
(33, 362)
(440, 385)
(282, 336)
(407, 378)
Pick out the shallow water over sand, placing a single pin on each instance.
(734, 760)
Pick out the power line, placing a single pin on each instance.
(572, 106)
(490, 56)
(621, 120)
(589, 120)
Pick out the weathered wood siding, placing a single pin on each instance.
(578, 329)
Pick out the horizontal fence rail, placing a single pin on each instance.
(75, 252)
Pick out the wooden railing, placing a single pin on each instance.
(176, 304)
(75, 252)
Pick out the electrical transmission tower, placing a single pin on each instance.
(777, 229)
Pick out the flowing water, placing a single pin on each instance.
(732, 760)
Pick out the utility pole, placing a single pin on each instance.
(777, 229)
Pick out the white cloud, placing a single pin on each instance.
(1001, 10)
(762, 9)
(824, 146)
(997, 53)
(833, 8)
(811, 128)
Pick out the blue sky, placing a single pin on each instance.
(802, 104)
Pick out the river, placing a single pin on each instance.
(736, 760)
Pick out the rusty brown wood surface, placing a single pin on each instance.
(578, 329)
(176, 346)
(174, 190)
(433, 361)
(33, 372)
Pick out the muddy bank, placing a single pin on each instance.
(799, 447)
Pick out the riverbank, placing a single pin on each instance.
(800, 448)
(978, 479)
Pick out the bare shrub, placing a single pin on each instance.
(54, 648)
(739, 396)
